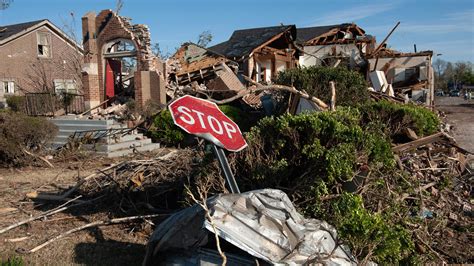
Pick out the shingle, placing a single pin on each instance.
(306, 34)
(243, 42)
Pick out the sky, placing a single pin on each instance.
(445, 27)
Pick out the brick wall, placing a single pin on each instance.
(107, 27)
(19, 61)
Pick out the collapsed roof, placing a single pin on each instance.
(313, 35)
(193, 57)
(243, 42)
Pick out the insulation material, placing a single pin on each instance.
(379, 82)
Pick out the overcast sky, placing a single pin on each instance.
(446, 27)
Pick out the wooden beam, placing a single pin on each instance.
(420, 142)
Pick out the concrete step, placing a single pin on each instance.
(117, 146)
(85, 127)
(119, 153)
(127, 137)
(63, 138)
(60, 121)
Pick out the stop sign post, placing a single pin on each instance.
(204, 119)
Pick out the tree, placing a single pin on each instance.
(204, 38)
(156, 48)
(440, 67)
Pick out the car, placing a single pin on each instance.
(439, 93)
(454, 93)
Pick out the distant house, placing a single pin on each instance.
(332, 45)
(37, 56)
(261, 52)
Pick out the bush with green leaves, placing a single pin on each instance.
(351, 87)
(369, 235)
(164, 130)
(301, 150)
(392, 118)
(313, 156)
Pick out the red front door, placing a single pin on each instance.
(112, 69)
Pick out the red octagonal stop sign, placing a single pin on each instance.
(204, 119)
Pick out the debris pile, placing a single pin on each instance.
(441, 178)
(150, 185)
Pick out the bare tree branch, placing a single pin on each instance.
(89, 225)
(203, 195)
(261, 87)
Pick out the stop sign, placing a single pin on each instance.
(204, 119)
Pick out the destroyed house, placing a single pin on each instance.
(37, 57)
(195, 63)
(410, 75)
(334, 44)
(261, 52)
(119, 62)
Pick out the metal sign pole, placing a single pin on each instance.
(224, 164)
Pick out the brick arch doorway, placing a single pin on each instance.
(120, 63)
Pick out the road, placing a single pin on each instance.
(460, 114)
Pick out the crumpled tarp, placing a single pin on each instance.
(263, 223)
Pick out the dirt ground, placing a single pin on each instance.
(107, 245)
(460, 115)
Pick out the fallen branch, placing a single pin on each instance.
(420, 142)
(277, 87)
(203, 204)
(73, 189)
(39, 157)
(429, 247)
(18, 239)
(49, 197)
(58, 209)
(89, 225)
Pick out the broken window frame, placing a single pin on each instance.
(43, 40)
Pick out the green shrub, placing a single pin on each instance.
(19, 132)
(369, 234)
(325, 146)
(16, 103)
(351, 87)
(392, 118)
(164, 130)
